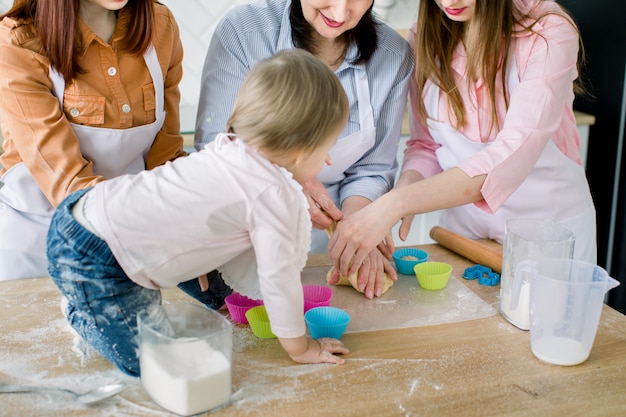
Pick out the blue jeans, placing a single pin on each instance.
(103, 303)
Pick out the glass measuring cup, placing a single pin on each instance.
(533, 239)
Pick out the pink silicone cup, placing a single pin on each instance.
(316, 296)
(238, 305)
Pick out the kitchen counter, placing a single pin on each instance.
(481, 367)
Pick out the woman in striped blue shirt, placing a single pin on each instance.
(372, 62)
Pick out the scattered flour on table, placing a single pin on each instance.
(508, 327)
(53, 355)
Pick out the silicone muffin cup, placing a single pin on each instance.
(259, 322)
(433, 275)
(238, 305)
(316, 296)
(327, 322)
(406, 259)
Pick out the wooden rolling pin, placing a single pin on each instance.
(471, 249)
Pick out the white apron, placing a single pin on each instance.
(25, 212)
(345, 153)
(555, 179)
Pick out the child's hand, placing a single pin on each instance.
(322, 350)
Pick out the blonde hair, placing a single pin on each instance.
(488, 36)
(289, 102)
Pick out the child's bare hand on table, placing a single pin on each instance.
(323, 350)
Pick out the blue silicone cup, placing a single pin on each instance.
(405, 266)
(327, 322)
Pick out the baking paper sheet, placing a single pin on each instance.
(405, 304)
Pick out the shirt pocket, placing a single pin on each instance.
(84, 110)
(149, 102)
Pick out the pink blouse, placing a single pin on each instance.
(540, 108)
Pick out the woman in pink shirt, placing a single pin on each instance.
(493, 134)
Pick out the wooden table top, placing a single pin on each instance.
(481, 367)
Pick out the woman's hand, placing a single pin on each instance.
(387, 247)
(357, 235)
(306, 350)
(406, 178)
(371, 278)
(322, 210)
(371, 274)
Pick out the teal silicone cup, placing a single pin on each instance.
(327, 322)
(406, 259)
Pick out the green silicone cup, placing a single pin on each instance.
(433, 275)
(259, 322)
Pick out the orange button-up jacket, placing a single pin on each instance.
(38, 133)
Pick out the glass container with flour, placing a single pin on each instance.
(185, 358)
(528, 239)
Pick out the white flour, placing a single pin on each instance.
(560, 351)
(520, 315)
(187, 377)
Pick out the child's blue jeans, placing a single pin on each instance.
(103, 303)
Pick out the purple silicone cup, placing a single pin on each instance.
(316, 296)
(238, 305)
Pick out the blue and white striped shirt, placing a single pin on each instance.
(252, 32)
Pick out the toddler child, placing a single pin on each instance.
(236, 206)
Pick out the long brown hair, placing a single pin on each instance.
(56, 23)
(488, 35)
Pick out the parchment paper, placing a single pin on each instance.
(405, 304)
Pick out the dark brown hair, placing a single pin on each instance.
(56, 23)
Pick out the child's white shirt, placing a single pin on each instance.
(225, 207)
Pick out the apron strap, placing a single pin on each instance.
(152, 62)
(366, 114)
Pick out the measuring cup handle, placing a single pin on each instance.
(523, 266)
